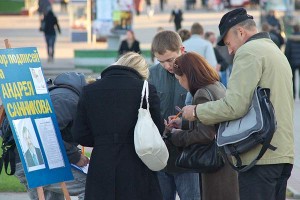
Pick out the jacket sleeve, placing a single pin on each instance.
(73, 152)
(198, 133)
(245, 76)
(155, 108)
(65, 106)
(80, 129)
(57, 25)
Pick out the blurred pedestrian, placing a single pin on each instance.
(51, 26)
(64, 6)
(43, 7)
(184, 34)
(138, 5)
(201, 46)
(222, 64)
(292, 52)
(176, 17)
(115, 170)
(129, 44)
(149, 8)
(275, 37)
(161, 3)
(274, 21)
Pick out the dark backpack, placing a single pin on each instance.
(8, 142)
(8, 148)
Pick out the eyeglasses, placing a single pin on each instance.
(170, 60)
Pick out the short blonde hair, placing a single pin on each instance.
(135, 61)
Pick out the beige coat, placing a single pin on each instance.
(220, 185)
(259, 62)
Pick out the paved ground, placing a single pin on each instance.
(22, 31)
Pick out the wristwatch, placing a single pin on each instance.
(195, 113)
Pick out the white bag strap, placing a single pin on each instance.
(145, 89)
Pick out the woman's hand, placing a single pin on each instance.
(174, 122)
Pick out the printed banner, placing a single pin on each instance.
(30, 112)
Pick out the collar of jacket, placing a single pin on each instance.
(120, 70)
(259, 36)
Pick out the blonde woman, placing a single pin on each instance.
(106, 117)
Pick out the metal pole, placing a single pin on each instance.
(89, 21)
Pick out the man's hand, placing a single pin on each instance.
(83, 161)
(188, 112)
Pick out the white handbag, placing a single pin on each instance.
(148, 143)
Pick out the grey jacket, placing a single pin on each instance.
(65, 105)
(171, 94)
(169, 90)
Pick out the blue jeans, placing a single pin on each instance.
(75, 187)
(50, 40)
(186, 185)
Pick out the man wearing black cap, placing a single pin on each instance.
(257, 62)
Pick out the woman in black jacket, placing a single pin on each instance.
(50, 22)
(129, 44)
(106, 117)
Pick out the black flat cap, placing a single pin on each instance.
(231, 19)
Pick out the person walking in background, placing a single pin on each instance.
(51, 24)
(106, 118)
(198, 77)
(43, 8)
(138, 5)
(64, 102)
(273, 21)
(129, 44)
(292, 52)
(278, 40)
(201, 46)
(176, 17)
(149, 8)
(161, 3)
(222, 64)
(223, 51)
(166, 47)
(257, 62)
(184, 34)
(64, 5)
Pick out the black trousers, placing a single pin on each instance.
(265, 182)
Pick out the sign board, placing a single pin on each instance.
(113, 17)
(31, 115)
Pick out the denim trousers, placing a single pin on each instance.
(265, 182)
(75, 187)
(186, 185)
(50, 40)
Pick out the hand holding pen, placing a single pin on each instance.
(174, 120)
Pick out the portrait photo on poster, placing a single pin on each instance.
(31, 149)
